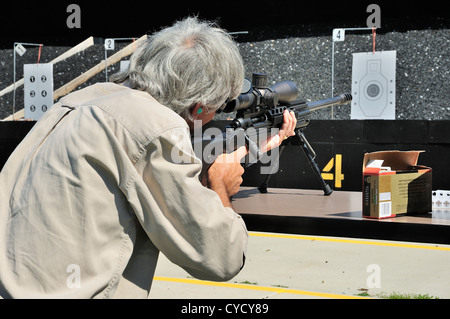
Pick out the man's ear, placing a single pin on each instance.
(196, 111)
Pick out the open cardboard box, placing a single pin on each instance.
(393, 184)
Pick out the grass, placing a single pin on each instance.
(280, 286)
(246, 282)
(397, 295)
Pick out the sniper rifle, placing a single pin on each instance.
(260, 107)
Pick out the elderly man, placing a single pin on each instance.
(92, 195)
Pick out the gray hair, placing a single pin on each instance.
(191, 62)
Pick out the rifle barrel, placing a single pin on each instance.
(337, 100)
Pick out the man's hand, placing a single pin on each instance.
(225, 175)
(286, 130)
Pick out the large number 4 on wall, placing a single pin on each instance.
(338, 177)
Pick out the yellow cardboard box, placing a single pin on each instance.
(393, 184)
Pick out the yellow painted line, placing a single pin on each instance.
(350, 241)
(255, 287)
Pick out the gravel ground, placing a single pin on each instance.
(423, 68)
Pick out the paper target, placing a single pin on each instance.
(373, 85)
(38, 89)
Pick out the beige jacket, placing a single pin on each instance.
(96, 190)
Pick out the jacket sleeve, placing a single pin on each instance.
(185, 220)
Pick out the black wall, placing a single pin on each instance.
(352, 139)
(349, 138)
(45, 21)
(11, 133)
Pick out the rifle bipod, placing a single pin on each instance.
(310, 154)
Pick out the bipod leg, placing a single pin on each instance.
(263, 187)
(310, 154)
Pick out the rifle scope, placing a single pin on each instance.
(259, 94)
